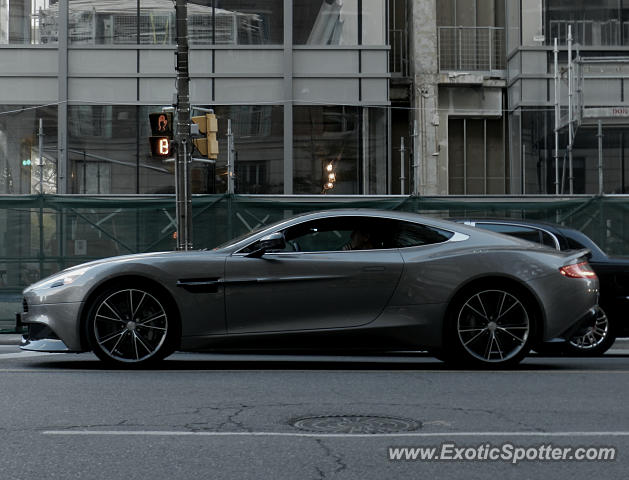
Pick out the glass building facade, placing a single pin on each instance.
(600, 31)
(304, 83)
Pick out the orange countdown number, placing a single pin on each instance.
(163, 146)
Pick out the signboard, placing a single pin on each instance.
(606, 112)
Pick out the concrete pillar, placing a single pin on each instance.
(426, 92)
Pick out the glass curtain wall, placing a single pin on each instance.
(600, 23)
(24, 168)
(216, 22)
(108, 151)
(339, 22)
(258, 132)
(326, 142)
(28, 22)
(476, 158)
(340, 150)
(537, 149)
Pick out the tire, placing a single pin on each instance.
(131, 327)
(490, 326)
(596, 340)
(592, 341)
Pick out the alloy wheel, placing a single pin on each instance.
(594, 335)
(130, 326)
(493, 326)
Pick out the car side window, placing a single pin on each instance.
(408, 234)
(335, 234)
(347, 233)
(518, 231)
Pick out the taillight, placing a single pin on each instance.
(578, 270)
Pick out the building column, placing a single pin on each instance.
(62, 108)
(288, 97)
(429, 164)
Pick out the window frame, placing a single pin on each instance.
(456, 236)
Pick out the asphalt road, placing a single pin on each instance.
(231, 416)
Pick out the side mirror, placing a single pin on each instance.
(272, 241)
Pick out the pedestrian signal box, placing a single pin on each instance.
(162, 134)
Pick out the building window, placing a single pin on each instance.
(258, 149)
(326, 22)
(537, 152)
(220, 22)
(30, 22)
(24, 169)
(340, 150)
(476, 159)
(326, 142)
(601, 23)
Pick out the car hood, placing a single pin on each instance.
(110, 261)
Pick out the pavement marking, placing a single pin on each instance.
(277, 370)
(159, 433)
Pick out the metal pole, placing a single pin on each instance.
(230, 158)
(570, 128)
(402, 177)
(600, 157)
(524, 169)
(182, 138)
(41, 156)
(416, 154)
(41, 199)
(557, 115)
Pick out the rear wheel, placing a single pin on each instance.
(131, 326)
(597, 338)
(490, 326)
(593, 339)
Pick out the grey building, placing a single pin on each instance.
(305, 84)
(459, 76)
(600, 32)
(483, 97)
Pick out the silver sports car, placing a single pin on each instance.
(341, 280)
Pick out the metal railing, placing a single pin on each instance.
(398, 60)
(472, 49)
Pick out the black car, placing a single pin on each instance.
(613, 274)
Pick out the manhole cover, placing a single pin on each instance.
(356, 424)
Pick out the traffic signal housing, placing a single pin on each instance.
(208, 126)
(162, 134)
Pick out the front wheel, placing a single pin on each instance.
(490, 326)
(131, 327)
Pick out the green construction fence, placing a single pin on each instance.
(42, 234)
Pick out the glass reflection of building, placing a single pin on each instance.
(599, 29)
(304, 83)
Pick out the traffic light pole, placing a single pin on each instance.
(182, 136)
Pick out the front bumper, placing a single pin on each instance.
(51, 327)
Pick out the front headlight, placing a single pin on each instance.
(63, 278)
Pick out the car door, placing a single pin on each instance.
(317, 282)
